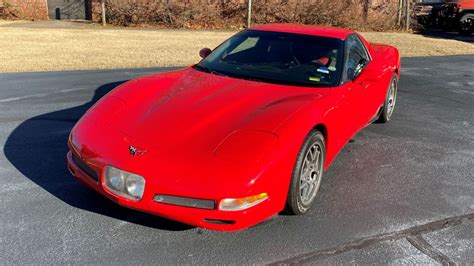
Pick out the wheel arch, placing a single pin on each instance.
(397, 72)
(321, 127)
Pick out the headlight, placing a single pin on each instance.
(242, 203)
(135, 185)
(124, 183)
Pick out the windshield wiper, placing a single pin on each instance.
(209, 70)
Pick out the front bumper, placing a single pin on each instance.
(422, 14)
(211, 219)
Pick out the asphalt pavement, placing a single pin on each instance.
(398, 193)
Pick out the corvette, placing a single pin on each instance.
(241, 136)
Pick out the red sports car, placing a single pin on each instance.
(244, 134)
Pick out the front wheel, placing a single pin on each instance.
(307, 174)
(390, 101)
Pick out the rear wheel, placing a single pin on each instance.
(390, 101)
(307, 174)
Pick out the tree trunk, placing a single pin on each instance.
(104, 22)
(408, 13)
(366, 6)
(400, 9)
(249, 13)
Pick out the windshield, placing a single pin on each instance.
(275, 57)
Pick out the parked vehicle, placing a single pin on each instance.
(242, 135)
(458, 15)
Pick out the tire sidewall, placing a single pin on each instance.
(386, 116)
(294, 200)
(462, 20)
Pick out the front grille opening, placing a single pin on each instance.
(86, 169)
(185, 202)
(214, 221)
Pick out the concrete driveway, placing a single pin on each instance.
(399, 193)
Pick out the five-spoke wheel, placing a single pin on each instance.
(307, 174)
(390, 101)
(310, 174)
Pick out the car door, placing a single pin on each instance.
(361, 105)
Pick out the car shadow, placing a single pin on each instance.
(439, 34)
(38, 147)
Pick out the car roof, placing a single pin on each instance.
(322, 31)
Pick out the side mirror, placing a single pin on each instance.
(204, 52)
(360, 66)
(371, 73)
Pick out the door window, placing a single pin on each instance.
(356, 57)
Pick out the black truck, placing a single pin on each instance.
(448, 15)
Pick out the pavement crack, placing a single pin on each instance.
(422, 245)
(416, 230)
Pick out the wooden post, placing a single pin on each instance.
(104, 22)
(407, 11)
(47, 10)
(249, 13)
(400, 10)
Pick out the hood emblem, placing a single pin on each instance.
(134, 151)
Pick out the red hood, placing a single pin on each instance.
(196, 109)
(179, 119)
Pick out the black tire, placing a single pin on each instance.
(387, 109)
(296, 204)
(466, 24)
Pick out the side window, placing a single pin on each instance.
(355, 55)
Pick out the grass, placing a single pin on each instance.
(26, 49)
(8, 22)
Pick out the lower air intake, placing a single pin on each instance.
(185, 202)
